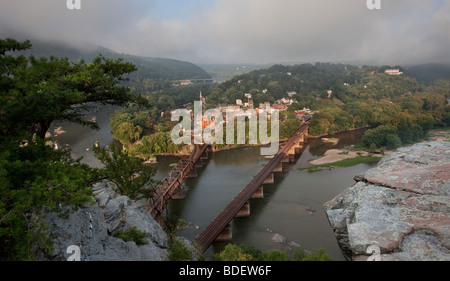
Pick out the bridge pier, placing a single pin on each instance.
(178, 194)
(292, 158)
(270, 179)
(226, 234)
(192, 174)
(279, 168)
(244, 211)
(259, 194)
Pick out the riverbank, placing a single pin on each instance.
(339, 132)
(439, 135)
(336, 155)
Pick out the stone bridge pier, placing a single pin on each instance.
(220, 228)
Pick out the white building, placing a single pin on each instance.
(393, 71)
(291, 94)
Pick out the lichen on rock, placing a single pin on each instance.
(402, 207)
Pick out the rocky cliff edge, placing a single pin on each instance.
(399, 210)
(90, 230)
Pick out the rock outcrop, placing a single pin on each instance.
(401, 208)
(91, 229)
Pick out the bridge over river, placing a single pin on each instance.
(220, 229)
(172, 186)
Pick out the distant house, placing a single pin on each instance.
(291, 94)
(393, 71)
(185, 82)
(224, 108)
(287, 101)
(206, 123)
(279, 106)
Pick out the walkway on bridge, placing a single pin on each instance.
(221, 222)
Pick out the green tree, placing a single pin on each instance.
(34, 178)
(233, 253)
(276, 255)
(378, 135)
(393, 141)
(35, 92)
(178, 251)
(132, 177)
(317, 255)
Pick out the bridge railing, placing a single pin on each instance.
(167, 187)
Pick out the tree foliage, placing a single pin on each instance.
(37, 91)
(233, 252)
(132, 177)
(35, 178)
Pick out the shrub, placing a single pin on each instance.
(133, 234)
(178, 251)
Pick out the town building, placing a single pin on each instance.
(393, 71)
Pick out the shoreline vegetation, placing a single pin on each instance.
(334, 158)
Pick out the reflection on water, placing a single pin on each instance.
(292, 206)
(317, 147)
(81, 139)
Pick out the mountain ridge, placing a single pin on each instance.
(147, 67)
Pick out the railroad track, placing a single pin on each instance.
(224, 218)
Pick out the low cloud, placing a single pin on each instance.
(253, 31)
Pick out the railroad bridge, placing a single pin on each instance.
(172, 187)
(220, 229)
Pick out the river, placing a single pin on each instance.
(292, 206)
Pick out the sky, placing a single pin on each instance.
(243, 31)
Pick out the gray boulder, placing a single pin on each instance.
(91, 229)
(401, 207)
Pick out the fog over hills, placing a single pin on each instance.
(147, 67)
(252, 31)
